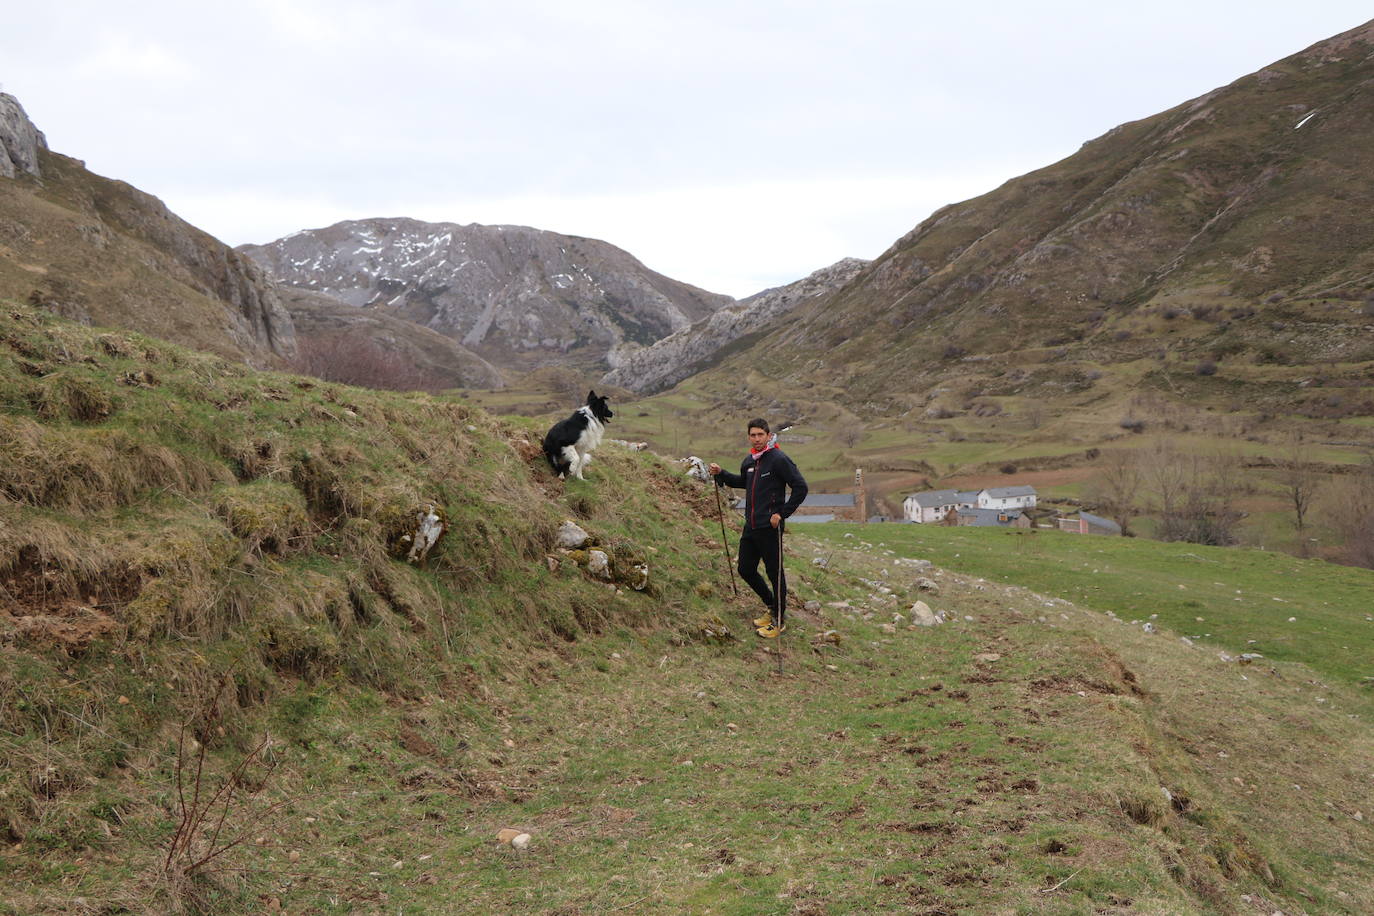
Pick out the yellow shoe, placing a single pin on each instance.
(770, 631)
(763, 621)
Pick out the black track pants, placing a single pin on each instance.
(762, 544)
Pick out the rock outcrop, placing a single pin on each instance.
(20, 141)
(103, 252)
(518, 297)
(680, 354)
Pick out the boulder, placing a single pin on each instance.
(923, 616)
(571, 536)
(599, 564)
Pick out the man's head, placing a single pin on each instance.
(758, 433)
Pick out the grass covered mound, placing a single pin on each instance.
(182, 538)
(186, 541)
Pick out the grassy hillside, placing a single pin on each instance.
(1201, 274)
(186, 542)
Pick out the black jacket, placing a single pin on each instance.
(765, 479)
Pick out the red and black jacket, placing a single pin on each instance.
(765, 477)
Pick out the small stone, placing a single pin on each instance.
(522, 842)
(813, 606)
(506, 834)
(831, 668)
(293, 856)
(123, 701)
(987, 657)
(1358, 815)
(1292, 620)
(888, 628)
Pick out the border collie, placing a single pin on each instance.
(568, 446)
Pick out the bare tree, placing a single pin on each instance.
(1196, 495)
(850, 434)
(1118, 485)
(1351, 512)
(1298, 473)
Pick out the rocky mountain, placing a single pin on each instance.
(516, 296)
(106, 253)
(20, 141)
(682, 353)
(1233, 228)
(331, 333)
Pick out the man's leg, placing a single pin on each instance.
(768, 546)
(750, 552)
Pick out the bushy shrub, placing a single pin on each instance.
(1206, 367)
(1132, 424)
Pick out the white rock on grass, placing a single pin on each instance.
(923, 616)
(571, 536)
(522, 842)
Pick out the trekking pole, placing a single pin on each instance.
(777, 600)
(724, 541)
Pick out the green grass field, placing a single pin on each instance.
(1237, 600)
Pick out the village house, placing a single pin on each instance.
(934, 505)
(1087, 523)
(988, 518)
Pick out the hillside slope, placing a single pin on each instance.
(330, 331)
(682, 353)
(517, 296)
(101, 251)
(1229, 228)
(226, 687)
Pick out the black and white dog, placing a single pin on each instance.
(568, 446)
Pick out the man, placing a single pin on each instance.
(765, 475)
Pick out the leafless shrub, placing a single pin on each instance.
(1350, 510)
(850, 435)
(1117, 487)
(1195, 495)
(203, 815)
(352, 360)
(1206, 367)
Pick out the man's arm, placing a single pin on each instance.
(796, 483)
(725, 478)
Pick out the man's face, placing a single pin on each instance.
(758, 438)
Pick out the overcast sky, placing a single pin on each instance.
(734, 145)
